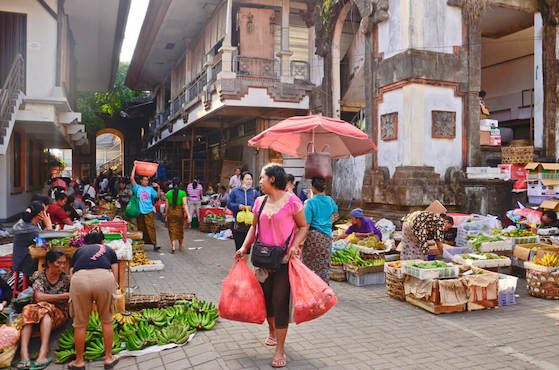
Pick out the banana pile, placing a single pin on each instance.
(137, 330)
(140, 258)
(550, 260)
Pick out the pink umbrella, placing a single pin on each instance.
(293, 135)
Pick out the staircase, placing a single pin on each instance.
(11, 97)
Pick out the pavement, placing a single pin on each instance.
(365, 330)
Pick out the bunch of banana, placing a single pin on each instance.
(146, 332)
(64, 355)
(94, 350)
(155, 316)
(207, 307)
(116, 345)
(208, 321)
(173, 334)
(66, 340)
(126, 317)
(550, 260)
(94, 323)
(140, 258)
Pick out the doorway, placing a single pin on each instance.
(109, 152)
(13, 40)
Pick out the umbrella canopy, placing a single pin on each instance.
(293, 135)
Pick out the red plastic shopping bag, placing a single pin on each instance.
(242, 298)
(311, 296)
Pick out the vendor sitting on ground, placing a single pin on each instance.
(49, 310)
(420, 227)
(549, 219)
(360, 225)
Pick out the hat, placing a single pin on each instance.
(357, 213)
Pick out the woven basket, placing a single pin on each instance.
(138, 302)
(138, 248)
(38, 252)
(543, 285)
(7, 356)
(135, 235)
(169, 299)
(517, 154)
(337, 271)
(395, 286)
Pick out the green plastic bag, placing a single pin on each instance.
(133, 207)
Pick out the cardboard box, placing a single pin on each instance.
(484, 138)
(495, 140)
(523, 251)
(495, 132)
(488, 124)
(513, 171)
(550, 204)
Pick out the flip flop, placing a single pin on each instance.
(112, 364)
(172, 251)
(279, 362)
(181, 248)
(41, 365)
(74, 367)
(270, 341)
(24, 364)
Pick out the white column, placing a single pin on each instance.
(227, 49)
(285, 53)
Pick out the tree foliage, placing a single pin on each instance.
(99, 107)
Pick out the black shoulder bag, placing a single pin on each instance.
(267, 256)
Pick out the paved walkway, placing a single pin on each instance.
(365, 330)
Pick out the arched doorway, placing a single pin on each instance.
(109, 152)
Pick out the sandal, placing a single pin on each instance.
(71, 366)
(279, 362)
(173, 251)
(24, 365)
(112, 364)
(270, 341)
(181, 248)
(41, 365)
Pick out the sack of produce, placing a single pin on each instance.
(241, 217)
(311, 296)
(242, 298)
(133, 207)
(9, 336)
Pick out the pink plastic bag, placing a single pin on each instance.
(311, 296)
(242, 298)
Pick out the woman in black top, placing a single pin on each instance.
(25, 231)
(94, 269)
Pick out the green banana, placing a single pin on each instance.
(63, 356)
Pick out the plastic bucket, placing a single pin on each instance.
(146, 168)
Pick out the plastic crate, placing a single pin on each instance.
(526, 240)
(427, 274)
(365, 279)
(462, 236)
(507, 283)
(507, 298)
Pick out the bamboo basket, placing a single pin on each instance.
(7, 356)
(337, 271)
(138, 302)
(395, 286)
(169, 299)
(38, 252)
(517, 154)
(542, 284)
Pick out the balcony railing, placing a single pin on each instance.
(256, 67)
(176, 105)
(197, 86)
(216, 68)
(300, 70)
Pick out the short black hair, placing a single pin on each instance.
(319, 183)
(447, 218)
(32, 210)
(94, 237)
(60, 196)
(246, 173)
(222, 187)
(550, 214)
(290, 178)
(279, 175)
(482, 94)
(52, 255)
(71, 199)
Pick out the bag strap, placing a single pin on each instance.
(258, 220)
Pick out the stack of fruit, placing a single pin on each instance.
(549, 260)
(352, 256)
(137, 330)
(518, 233)
(139, 259)
(371, 242)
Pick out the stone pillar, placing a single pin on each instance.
(550, 16)
(285, 54)
(471, 108)
(227, 50)
(336, 43)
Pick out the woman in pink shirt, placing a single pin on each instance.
(282, 220)
(194, 191)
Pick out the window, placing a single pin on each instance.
(19, 162)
